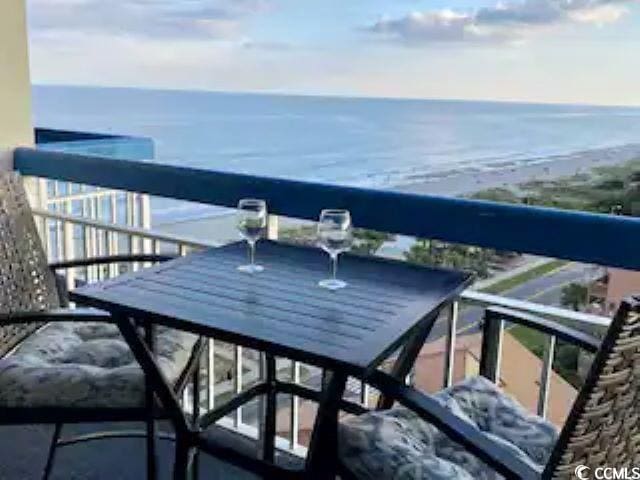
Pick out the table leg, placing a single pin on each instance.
(195, 414)
(149, 337)
(408, 354)
(162, 390)
(181, 462)
(269, 434)
(322, 457)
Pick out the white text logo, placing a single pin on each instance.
(608, 473)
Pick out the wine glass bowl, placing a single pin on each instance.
(335, 235)
(251, 223)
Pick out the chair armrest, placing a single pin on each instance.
(84, 262)
(57, 315)
(568, 334)
(470, 437)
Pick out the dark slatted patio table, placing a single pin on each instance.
(281, 311)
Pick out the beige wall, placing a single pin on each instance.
(15, 85)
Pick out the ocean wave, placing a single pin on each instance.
(172, 211)
(615, 154)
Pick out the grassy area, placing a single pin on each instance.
(565, 361)
(601, 190)
(533, 340)
(514, 281)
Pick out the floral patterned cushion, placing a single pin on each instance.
(398, 445)
(85, 365)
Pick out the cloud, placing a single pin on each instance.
(435, 26)
(503, 22)
(143, 18)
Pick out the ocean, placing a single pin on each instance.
(379, 143)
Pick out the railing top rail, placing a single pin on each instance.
(81, 196)
(593, 238)
(135, 231)
(535, 308)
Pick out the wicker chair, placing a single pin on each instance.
(474, 431)
(60, 365)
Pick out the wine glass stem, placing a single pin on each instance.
(252, 252)
(334, 265)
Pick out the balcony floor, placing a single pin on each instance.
(23, 451)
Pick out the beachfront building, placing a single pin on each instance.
(63, 239)
(608, 291)
(88, 194)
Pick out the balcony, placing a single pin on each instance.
(94, 200)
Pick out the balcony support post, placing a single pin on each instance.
(211, 373)
(15, 85)
(295, 407)
(269, 434)
(237, 418)
(450, 346)
(491, 352)
(68, 245)
(545, 376)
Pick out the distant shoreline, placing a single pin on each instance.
(220, 228)
(467, 183)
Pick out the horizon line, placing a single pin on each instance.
(333, 95)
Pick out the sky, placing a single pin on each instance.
(557, 51)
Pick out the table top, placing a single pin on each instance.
(282, 310)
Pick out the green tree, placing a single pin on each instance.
(365, 242)
(574, 296)
(368, 242)
(420, 252)
(435, 253)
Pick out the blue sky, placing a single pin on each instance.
(577, 51)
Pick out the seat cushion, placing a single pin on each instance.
(397, 444)
(71, 364)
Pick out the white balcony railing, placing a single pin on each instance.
(63, 231)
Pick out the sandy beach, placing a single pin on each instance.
(218, 229)
(221, 228)
(549, 168)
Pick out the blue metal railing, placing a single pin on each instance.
(89, 143)
(592, 238)
(50, 135)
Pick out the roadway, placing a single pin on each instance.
(546, 289)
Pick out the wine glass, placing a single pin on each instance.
(252, 222)
(334, 237)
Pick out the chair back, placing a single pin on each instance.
(603, 428)
(26, 283)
